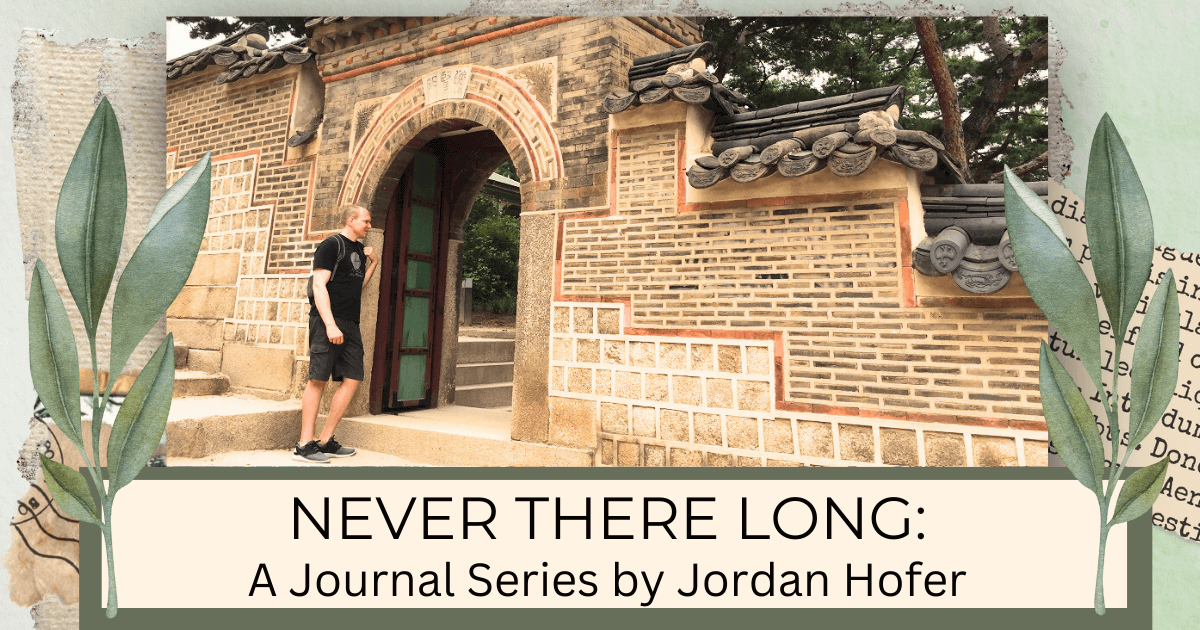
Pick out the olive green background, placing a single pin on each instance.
(1134, 61)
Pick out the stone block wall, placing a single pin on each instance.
(662, 397)
(237, 293)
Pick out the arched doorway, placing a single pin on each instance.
(423, 232)
(491, 103)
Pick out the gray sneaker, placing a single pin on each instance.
(310, 453)
(333, 449)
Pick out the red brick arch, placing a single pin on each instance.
(406, 122)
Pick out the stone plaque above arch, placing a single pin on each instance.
(446, 83)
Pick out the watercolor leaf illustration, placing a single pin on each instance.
(89, 225)
(1121, 236)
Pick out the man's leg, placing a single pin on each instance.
(309, 404)
(337, 407)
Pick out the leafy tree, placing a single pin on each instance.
(491, 249)
(994, 76)
(211, 27)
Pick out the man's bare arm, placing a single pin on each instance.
(370, 252)
(321, 299)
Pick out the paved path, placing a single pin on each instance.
(284, 458)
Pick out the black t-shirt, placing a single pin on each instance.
(345, 286)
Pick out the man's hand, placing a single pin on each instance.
(335, 335)
(370, 252)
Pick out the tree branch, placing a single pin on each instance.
(943, 83)
(1024, 169)
(995, 38)
(998, 85)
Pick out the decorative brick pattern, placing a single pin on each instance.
(271, 310)
(249, 116)
(826, 275)
(487, 88)
(696, 401)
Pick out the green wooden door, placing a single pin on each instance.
(414, 281)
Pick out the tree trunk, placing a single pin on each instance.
(939, 73)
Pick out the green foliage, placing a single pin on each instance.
(70, 490)
(212, 27)
(491, 249)
(1140, 489)
(1119, 227)
(1121, 236)
(156, 272)
(1055, 282)
(775, 61)
(142, 418)
(88, 228)
(91, 215)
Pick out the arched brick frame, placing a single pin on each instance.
(492, 99)
(404, 125)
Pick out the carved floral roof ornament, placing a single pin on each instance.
(967, 235)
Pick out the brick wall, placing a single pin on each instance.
(259, 198)
(822, 277)
(250, 115)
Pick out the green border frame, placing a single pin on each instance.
(1136, 615)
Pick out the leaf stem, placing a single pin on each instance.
(111, 611)
(1099, 562)
(97, 409)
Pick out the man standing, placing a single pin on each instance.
(335, 345)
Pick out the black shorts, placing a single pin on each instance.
(343, 360)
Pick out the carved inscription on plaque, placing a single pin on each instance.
(447, 84)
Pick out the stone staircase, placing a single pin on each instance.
(484, 373)
(208, 418)
(190, 381)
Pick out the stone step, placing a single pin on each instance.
(485, 350)
(454, 436)
(482, 373)
(199, 426)
(486, 333)
(489, 396)
(447, 436)
(181, 356)
(194, 383)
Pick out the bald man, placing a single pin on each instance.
(335, 347)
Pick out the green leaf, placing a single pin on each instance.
(91, 215)
(1071, 423)
(1155, 361)
(142, 419)
(53, 358)
(162, 262)
(1140, 491)
(1055, 281)
(1119, 228)
(70, 490)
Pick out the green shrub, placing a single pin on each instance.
(491, 249)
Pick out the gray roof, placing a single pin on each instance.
(244, 54)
